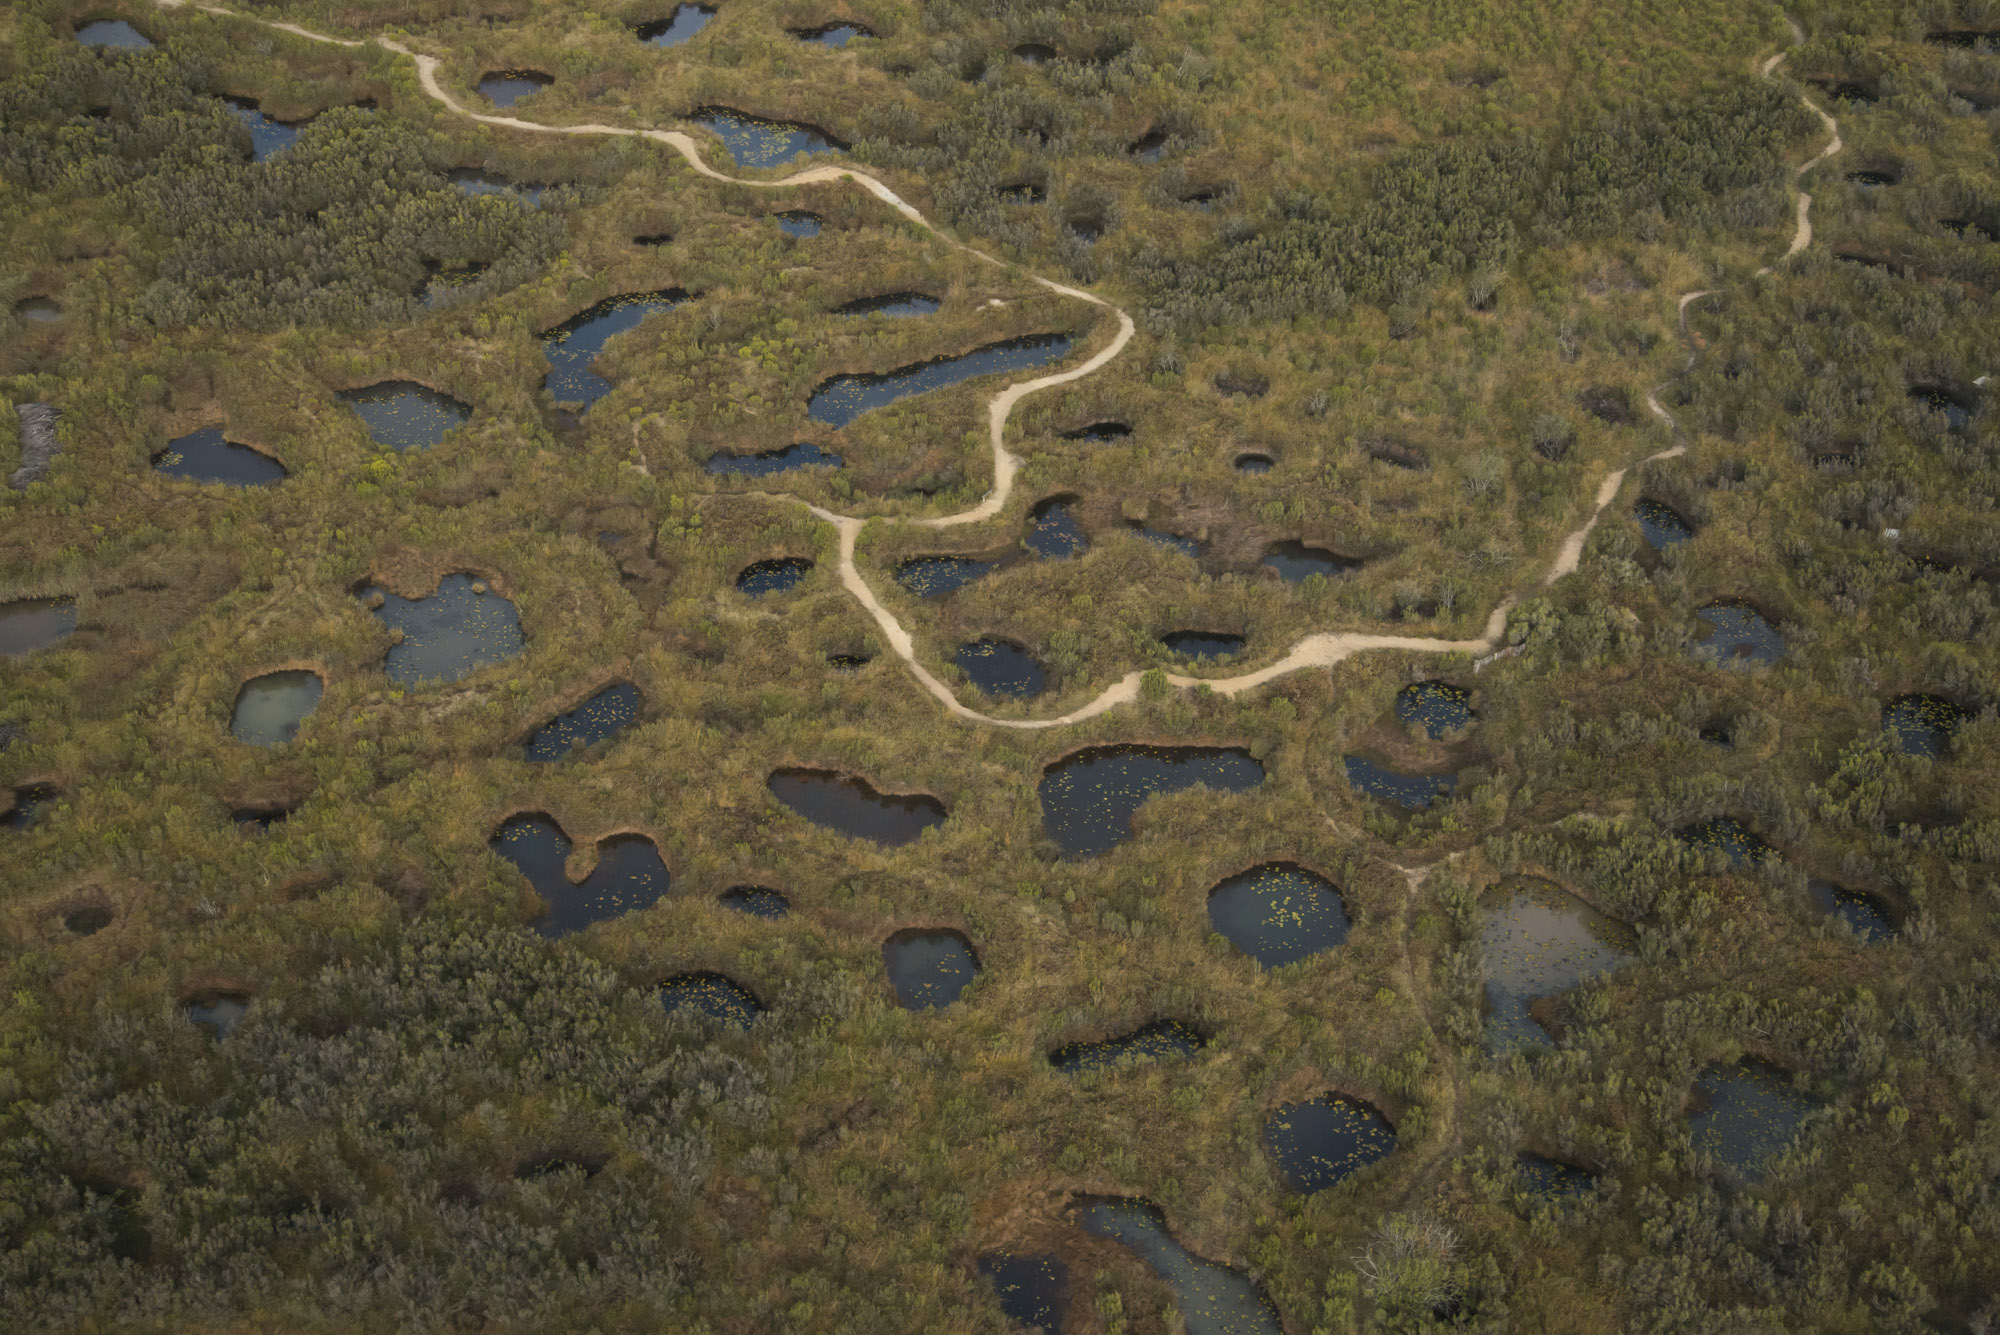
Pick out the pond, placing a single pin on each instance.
(1100, 433)
(473, 181)
(845, 397)
(1551, 1179)
(1413, 792)
(259, 820)
(850, 805)
(686, 21)
(88, 921)
(848, 663)
(1254, 463)
(112, 34)
(929, 967)
(1158, 1041)
(574, 344)
(1001, 669)
(1149, 146)
(1089, 797)
(38, 310)
(270, 708)
(217, 1013)
(752, 141)
(1438, 707)
(803, 454)
(755, 900)
(35, 623)
(602, 715)
(1203, 643)
(1320, 1141)
(935, 576)
(28, 805)
(1659, 524)
(779, 575)
(405, 415)
(712, 996)
(1923, 724)
(267, 136)
(1873, 178)
(1212, 1299)
(1173, 542)
(204, 456)
(1745, 1114)
(1862, 912)
(797, 222)
(1537, 941)
(1033, 1288)
(1034, 53)
(503, 88)
(832, 34)
(893, 305)
(1956, 407)
(629, 875)
(1737, 635)
(1295, 561)
(1278, 913)
(451, 634)
(1054, 531)
(1728, 836)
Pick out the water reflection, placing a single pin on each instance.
(929, 968)
(1745, 1115)
(629, 874)
(267, 136)
(1737, 635)
(845, 397)
(1320, 1141)
(270, 708)
(1212, 1299)
(754, 142)
(935, 576)
(1001, 669)
(1862, 912)
(1089, 798)
(1660, 525)
(452, 633)
(804, 454)
(687, 20)
(1032, 1287)
(756, 900)
(851, 806)
(1278, 913)
(576, 343)
(35, 623)
(1537, 942)
(1203, 643)
(779, 575)
(1438, 707)
(204, 456)
(1295, 561)
(1923, 724)
(1054, 532)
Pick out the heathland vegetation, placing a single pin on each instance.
(291, 1041)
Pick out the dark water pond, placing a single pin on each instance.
(1745, 1115)
(35, 623)
(935, 576)
(756, 900)
(848, 662)
(270, 708)
(115, 34)
(1173, 542)
(259, 820)
(845, 397)
(1089, 798)
(754, 142)
(267, 136)
(1034, 53)
(1001, 669)
(797, 222)
(1923, 724)
(894, 305)
(1033, 1288)
(1158, 1041)
(1536, 942)
(779, 575)
(87, 921)
(1054, 531)
(1737, 635)
(503, 88)
(1320, 1141)
(473, 181)
(204, 456)
(687, 20)
(597, 718)
(1254, 463)
(448, 635)
(1100, 433)
(405, 415)
(1862, 912)
(1956, 407)
(1552, 1179)
(629, 875)
(711, 995)
(851, 806)
(1278, 913)
(1873, 178)
(38, 310)
(832, 34)
(1963, 37)
(1861, 95)
(29, 803)
(1659, 524)
(574, 344)
(1212, 1299)
(1728, 836)
(1295, 561)
(1203, 643)
(928, 967)
(1149, 146)
(803, 454)
(1414, 792)
(217, 1014)
(1438, 707)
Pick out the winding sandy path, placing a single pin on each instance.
(1319, 650)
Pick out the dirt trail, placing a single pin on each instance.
(1319, 650)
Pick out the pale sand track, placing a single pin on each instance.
(1314, 651)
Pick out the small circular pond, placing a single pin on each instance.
(779, 575)
(503, 88)
(1745, 1115)
(405, 415)
(114, 35)
(1736, 634)
(1100, 433)
(35, 623)
(1254, 463)
(1412, 792)
(1296, 561)
(1000, 668)
(712, 996)
(1199, 644)
(216, 1013)
(1728, 836)
(1033, 1288)
(205, 456)
(26, 805)
(1863, 914)
(1551, 1179)
(1278, 913)
(1438, 707)
(270, 708)
(1660, 525)
(1923, 724)
(1054, 531)
(1536, 941)
(803, 454)
(752, 141)
(38, 310)
(836, 34)
(1320, 1141)
(797, 222)
(454, 632)
(630, 874)
(929, 967)
(850, 805)
(756, 900)
(935, 576)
